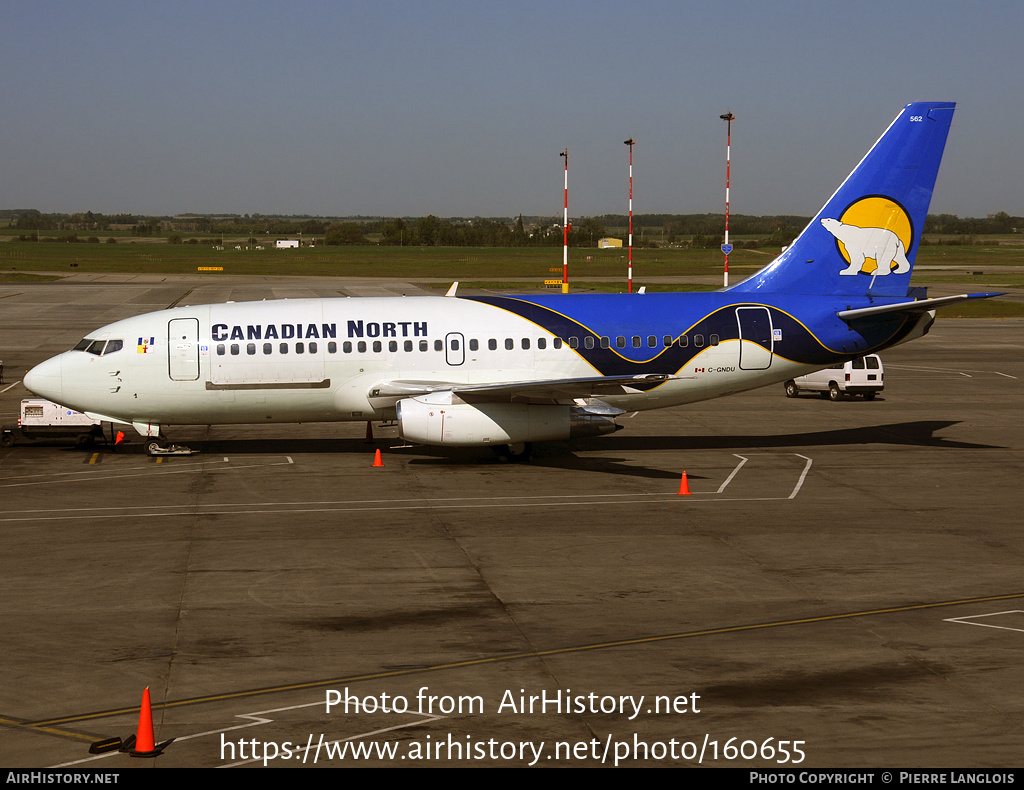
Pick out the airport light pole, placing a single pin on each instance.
(727, 247)
(629, 142)
(565, 228)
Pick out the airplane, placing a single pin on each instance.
(507, 371)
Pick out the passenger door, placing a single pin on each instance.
(183, 349)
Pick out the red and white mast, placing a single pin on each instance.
(629, 142)
(565, 228)
(727, 247)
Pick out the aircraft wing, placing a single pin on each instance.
(544, 391)
(919, 306)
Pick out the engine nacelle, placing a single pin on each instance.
(427, 420)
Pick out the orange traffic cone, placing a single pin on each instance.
(119, 438)
(684, 487)
(377, 461)
(142, 743)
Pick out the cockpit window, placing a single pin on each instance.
(99, 347)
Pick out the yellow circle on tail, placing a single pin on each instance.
(877, 212)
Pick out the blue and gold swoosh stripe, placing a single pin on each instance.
(801, 345)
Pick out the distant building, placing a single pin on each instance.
(283, 244)
(608, 243)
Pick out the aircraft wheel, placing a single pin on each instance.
(791, 390)
(154, 445)
(518, 453)
(833, 392)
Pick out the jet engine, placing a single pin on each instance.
(428, 420)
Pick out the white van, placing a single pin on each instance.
(860, 376)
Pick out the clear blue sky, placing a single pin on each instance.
(461, 108)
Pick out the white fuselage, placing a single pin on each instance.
(322, 359)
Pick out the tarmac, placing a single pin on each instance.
(842, 588)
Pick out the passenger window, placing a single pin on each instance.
(282, 348)
(526, 344)
(392, 346)
(588, 341)
(268, 348)
(492, 344)
(407, 345)
(220, 349)
(346, 347)
(300, 348)
(424, 345)
(542, 343)
(312, 348)
(361, 346)
(636, 341)
(474, 345)
(234, 349)
(714, 340)
(652, 341)
(509, 344)
(556, 343)
(698, 340)
(668, 340)
(250, 349)
(439, 345)
(683, 341)
(620, 342)
(377, 347)
(332, 347)
(574, 342)
(605, 342)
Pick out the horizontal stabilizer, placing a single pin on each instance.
(919, 306)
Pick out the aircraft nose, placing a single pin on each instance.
(44, 380)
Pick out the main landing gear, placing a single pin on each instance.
(518, 453)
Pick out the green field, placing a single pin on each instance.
(415, 262)
(495, 268)
(369, 261)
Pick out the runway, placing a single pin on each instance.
(842, 588)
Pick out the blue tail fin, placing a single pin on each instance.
(864, 240)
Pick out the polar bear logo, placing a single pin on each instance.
(880, 244)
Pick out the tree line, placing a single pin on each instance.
(689, 230)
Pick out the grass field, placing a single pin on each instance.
(412, 262)
(492, 268)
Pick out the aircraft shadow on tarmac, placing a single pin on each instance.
(564, 455)
(921, 433)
